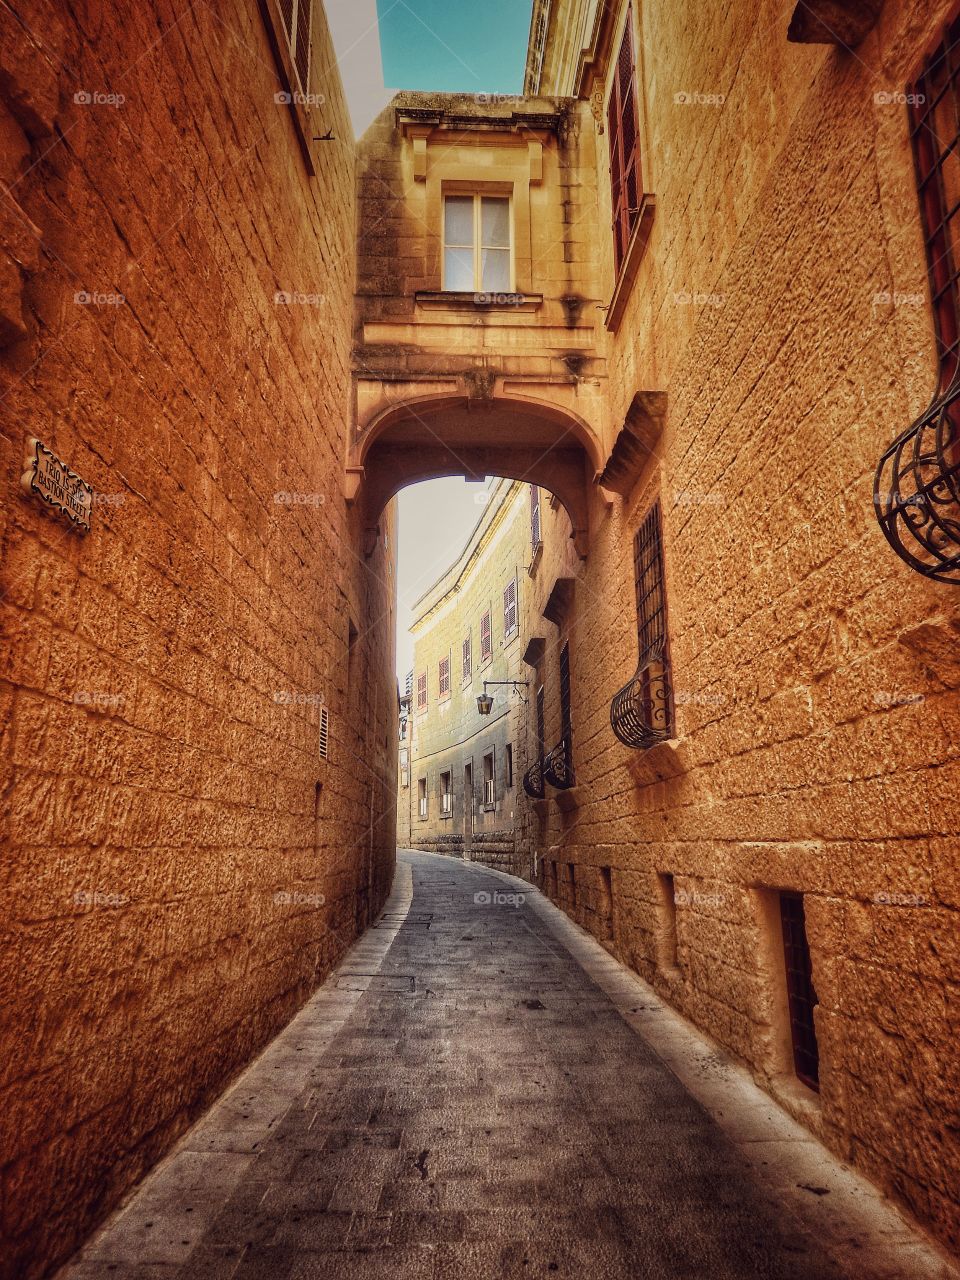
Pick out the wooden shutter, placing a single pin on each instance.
(467, 658)
(623, 126)
(510, 607)
(535, 515)
(486, 639)
(444, 676)
(421, 691)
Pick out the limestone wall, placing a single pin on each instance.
(180, 867)
(818, 724)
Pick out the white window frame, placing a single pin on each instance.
(478, 198)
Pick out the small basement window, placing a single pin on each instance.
(801, 996)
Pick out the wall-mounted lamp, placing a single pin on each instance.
(485, 700)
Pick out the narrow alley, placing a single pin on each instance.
(480, 1090)
(479, 639)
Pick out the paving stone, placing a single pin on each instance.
(476, 1138)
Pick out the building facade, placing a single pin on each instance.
(763, 689)
(465, 767)
(197, 708)
(727, 292)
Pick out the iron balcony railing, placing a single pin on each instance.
(641, 713)
(917, 490)
(558, 766)
(533, 781)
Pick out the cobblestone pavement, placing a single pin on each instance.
(480, 1091)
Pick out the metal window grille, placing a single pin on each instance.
(421, 691)
(642, 711)
(444, 676)
(324, 733)
(486, 637)
(917, 484)
(535, 515)
(801, 996)
(565, 720)
(510, 608)
(623, 124)
(467, 657)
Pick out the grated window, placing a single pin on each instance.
(801, 996)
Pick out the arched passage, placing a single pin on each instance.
(474, 436)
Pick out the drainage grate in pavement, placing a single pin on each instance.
(376, 982)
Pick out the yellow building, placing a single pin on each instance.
(461, 786)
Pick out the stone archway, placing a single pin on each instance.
(473, 435)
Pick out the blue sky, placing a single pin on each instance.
(454, 46)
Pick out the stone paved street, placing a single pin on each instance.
(479, 1090)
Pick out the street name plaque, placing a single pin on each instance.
(58, 486)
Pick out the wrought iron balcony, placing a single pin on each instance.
(533, 781)
(641, 713)
(558, 766)
(917, 490)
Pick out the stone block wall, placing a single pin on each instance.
(180, 867)
(782, 306)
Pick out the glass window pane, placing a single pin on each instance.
(458, 270)
(495, 223)
(495, 270)
(458, 220)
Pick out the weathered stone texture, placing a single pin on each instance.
(818, 724)
(180, 867)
